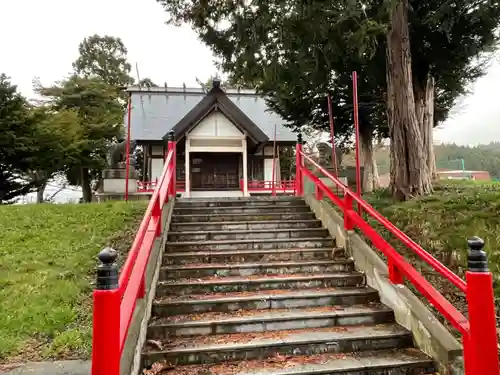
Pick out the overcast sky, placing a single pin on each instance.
(40, 39)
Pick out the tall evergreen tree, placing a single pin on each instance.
(16, 143)
(104, 57)
(147, 82)
(292, 47)
(58, 136)
(100, 119)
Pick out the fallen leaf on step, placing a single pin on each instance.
(158, 367)
(278, 358)
(155, 344)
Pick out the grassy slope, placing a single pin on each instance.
(47, 262)
(442, 223)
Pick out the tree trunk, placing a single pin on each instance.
(40, 178)
(371, 179)
(428, 126)
(409, 172)
(424, 106)
(40, 191)
(86, 188)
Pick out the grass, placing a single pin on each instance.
(47, 262)
(441, 223)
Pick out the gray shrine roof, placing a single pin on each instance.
(156, 110)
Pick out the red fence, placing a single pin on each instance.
(115, 299)
(479, 331)
(114, 303)
(149, 186)
(280, 187)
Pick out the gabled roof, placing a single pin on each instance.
(156, 111)
(216, 99)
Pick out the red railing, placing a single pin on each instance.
(479, 331)
(149, 186)
(146, 186)
(285, 186)
(114, 307)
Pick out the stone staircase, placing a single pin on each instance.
(256, 286)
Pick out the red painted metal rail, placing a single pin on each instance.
(479, 331)
(149, 186)
(113, 309)
(258, 186)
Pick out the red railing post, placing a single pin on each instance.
(156, 215)
(298, 167)
(482, 347)
(106, 349)
(319, 193)
(468, 355)
(356, 133)
(348, 224)
(127, 145)
(172, 189)
(395, 276)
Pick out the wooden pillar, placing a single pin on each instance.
(187, 173)
(150, 161)
(145, 162)
(245, 167)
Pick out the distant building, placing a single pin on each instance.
(224, 137)
(445, 174)
(458, 174)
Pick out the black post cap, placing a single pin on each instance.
(107, 271)
(170, 135)
(477, 258)
(299, 138)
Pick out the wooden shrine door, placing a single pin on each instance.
(215, 171)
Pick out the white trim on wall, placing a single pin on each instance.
(220, 135)
(215, 149)
(268, 170)
(216, 125)
(156, 168)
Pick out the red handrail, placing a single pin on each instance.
(428, 258)
(477, 332)
(113, 309)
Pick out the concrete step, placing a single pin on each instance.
(278, 243)
(238, 201)
(269, 299)
(244, 321)
(262, 216)
(199, 270)
(242, 256)
(215, 284)
(257, 234)
(245, 225)
(240, 209)
(247, 346)
(381, 362)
